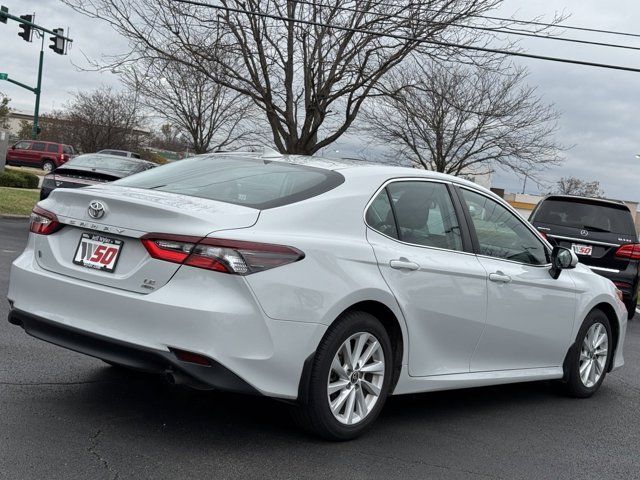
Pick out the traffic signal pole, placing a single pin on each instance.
(59, 47)
(36, 111)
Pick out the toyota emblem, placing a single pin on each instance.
(584, 233)
(96, 209)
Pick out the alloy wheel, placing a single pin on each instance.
(356, 378)
(593, 354)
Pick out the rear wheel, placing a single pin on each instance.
(48, 166)
(350, 378)
(589, 361)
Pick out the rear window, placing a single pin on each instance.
(104, 163)
(252, 183)
(587, 216)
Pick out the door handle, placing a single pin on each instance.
(403, 264)
(499, 277)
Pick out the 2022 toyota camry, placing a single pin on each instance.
(330, 284)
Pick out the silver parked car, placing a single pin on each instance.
(329, 284)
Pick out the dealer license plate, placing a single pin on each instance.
(582, 249)
(98, 252)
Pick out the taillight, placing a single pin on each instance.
(44, 222)
(630, 250)
(221, 255)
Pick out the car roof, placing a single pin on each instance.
(592, 200)
(40, 141)
(355, 167)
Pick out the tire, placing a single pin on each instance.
(357, 396)
(581, 354)
(631, 305)
(48, 166)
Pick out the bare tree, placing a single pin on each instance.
(308, 66)
(578, 187)
(97, 119)
(4, 110)
(212, 116)
(461, 119)
(169, 138)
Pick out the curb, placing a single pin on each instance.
(12, 216)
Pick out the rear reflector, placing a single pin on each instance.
(221, 255)
(190, 357)
(630, 250)
(43, 222)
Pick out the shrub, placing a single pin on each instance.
(18, 179)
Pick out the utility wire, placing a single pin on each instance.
(528, 22)
(478, 27)
(413, 39)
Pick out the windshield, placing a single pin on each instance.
(104, 163)
(242, 181)
(588, 216)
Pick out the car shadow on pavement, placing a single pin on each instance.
(193, 415)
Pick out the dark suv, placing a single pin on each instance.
(601, 232)
(34, 153)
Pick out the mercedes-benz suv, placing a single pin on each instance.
(601, 232)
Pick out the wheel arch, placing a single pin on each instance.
(610, 312)
(391, 323)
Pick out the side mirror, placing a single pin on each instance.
(561, 258)
(13, 147)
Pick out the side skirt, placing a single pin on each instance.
(408, 384)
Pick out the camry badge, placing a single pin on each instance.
(584, 233)
(96, 209)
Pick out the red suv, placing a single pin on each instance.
(34, 153)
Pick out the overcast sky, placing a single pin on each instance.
(598, 106)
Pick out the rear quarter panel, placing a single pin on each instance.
(339, 268)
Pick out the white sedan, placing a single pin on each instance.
(329, 284)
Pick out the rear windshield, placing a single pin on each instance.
(103, 162)
(587, 216)
(249, 182)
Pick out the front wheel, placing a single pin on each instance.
(589, 361)
(350, 378)
(631, 305)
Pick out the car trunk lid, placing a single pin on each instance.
(129, 214)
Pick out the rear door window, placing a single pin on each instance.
(425, 215)
(380, 216)
(242, 181)
(589, 216)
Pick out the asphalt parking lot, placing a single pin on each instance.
(68, 416)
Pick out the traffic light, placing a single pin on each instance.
(58, 42)
(26, 32)
(3, 10)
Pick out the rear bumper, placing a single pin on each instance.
(214, 376)
(207, 313)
